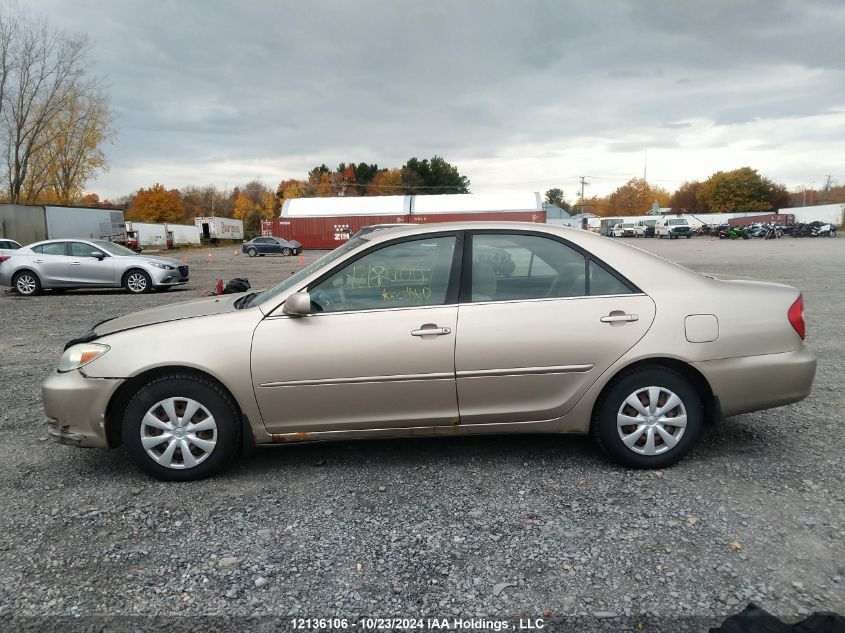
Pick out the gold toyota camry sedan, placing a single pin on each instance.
(438, 329)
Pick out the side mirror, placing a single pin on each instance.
(98, 255)
(298, 304)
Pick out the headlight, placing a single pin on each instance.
(162, 266)
(80, 355)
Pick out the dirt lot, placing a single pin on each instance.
(478, 527)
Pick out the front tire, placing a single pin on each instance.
(286, 252)
(251, 252)
(649, 418)
(181, 428)
(137, 282)
(27, 284)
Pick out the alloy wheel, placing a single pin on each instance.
(178, 433)
(25, 284)
(136, 282)
(651, 421)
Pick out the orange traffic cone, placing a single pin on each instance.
(209, 255)
(237, 253)
(220, 286)
(301, 259)
(185, 259)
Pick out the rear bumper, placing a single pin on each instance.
(753, 383)
(76, 406)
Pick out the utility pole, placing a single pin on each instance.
(584, 183)
(645, 165)
(827, 183)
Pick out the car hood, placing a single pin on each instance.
(152, 258)
(173, 312)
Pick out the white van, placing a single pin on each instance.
(673, 227)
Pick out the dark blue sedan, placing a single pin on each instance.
(261, 246)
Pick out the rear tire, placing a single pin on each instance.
(641, 443)
(209, 449)
(27, 284)
(137, 282)
(286, 252)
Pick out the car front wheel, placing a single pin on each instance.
(649, 418)
(181, 428)
(137, 282)
(251, 252)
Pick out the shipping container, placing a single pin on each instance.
(146, 235)
(216, 228)
(183, 234)
(23, 223)
(328, 222)
(85, 223)
(33, 223)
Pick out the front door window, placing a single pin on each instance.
(408, 274)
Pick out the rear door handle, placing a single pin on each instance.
(430, 329)
(76, 263)
(615, 317)
(38, 261)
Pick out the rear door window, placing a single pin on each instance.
(53, 248)
(519, 267)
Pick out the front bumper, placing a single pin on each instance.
(75, 407)
(175, 277)
(753, 383)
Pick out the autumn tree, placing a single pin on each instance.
(288, 189)
(73, 155)
(269, 206)
(742, 189)
(325, 187)
(243, 206)
(156, 204)
(685, 199)
(348, 180)
(49, 108)
(387, 182)
(636, 197)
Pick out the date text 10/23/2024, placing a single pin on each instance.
(426, 624)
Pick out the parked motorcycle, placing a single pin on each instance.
(825, 230)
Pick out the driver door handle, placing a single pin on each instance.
(616, 317)
(431, 329)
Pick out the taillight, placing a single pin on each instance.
(796, 316)
(3, 258)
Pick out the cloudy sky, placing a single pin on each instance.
(521, 95)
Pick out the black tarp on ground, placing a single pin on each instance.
(753, 619)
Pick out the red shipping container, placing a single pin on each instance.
(331, 231)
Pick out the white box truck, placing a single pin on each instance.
(215, 228)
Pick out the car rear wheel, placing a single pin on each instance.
(251, 252)
(137, 282)
(286, 252)
(27, 284)
(181, 428)
(649, 418)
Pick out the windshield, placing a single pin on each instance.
(297, 277)
(111, 247)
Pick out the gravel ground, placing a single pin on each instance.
(516, 527)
